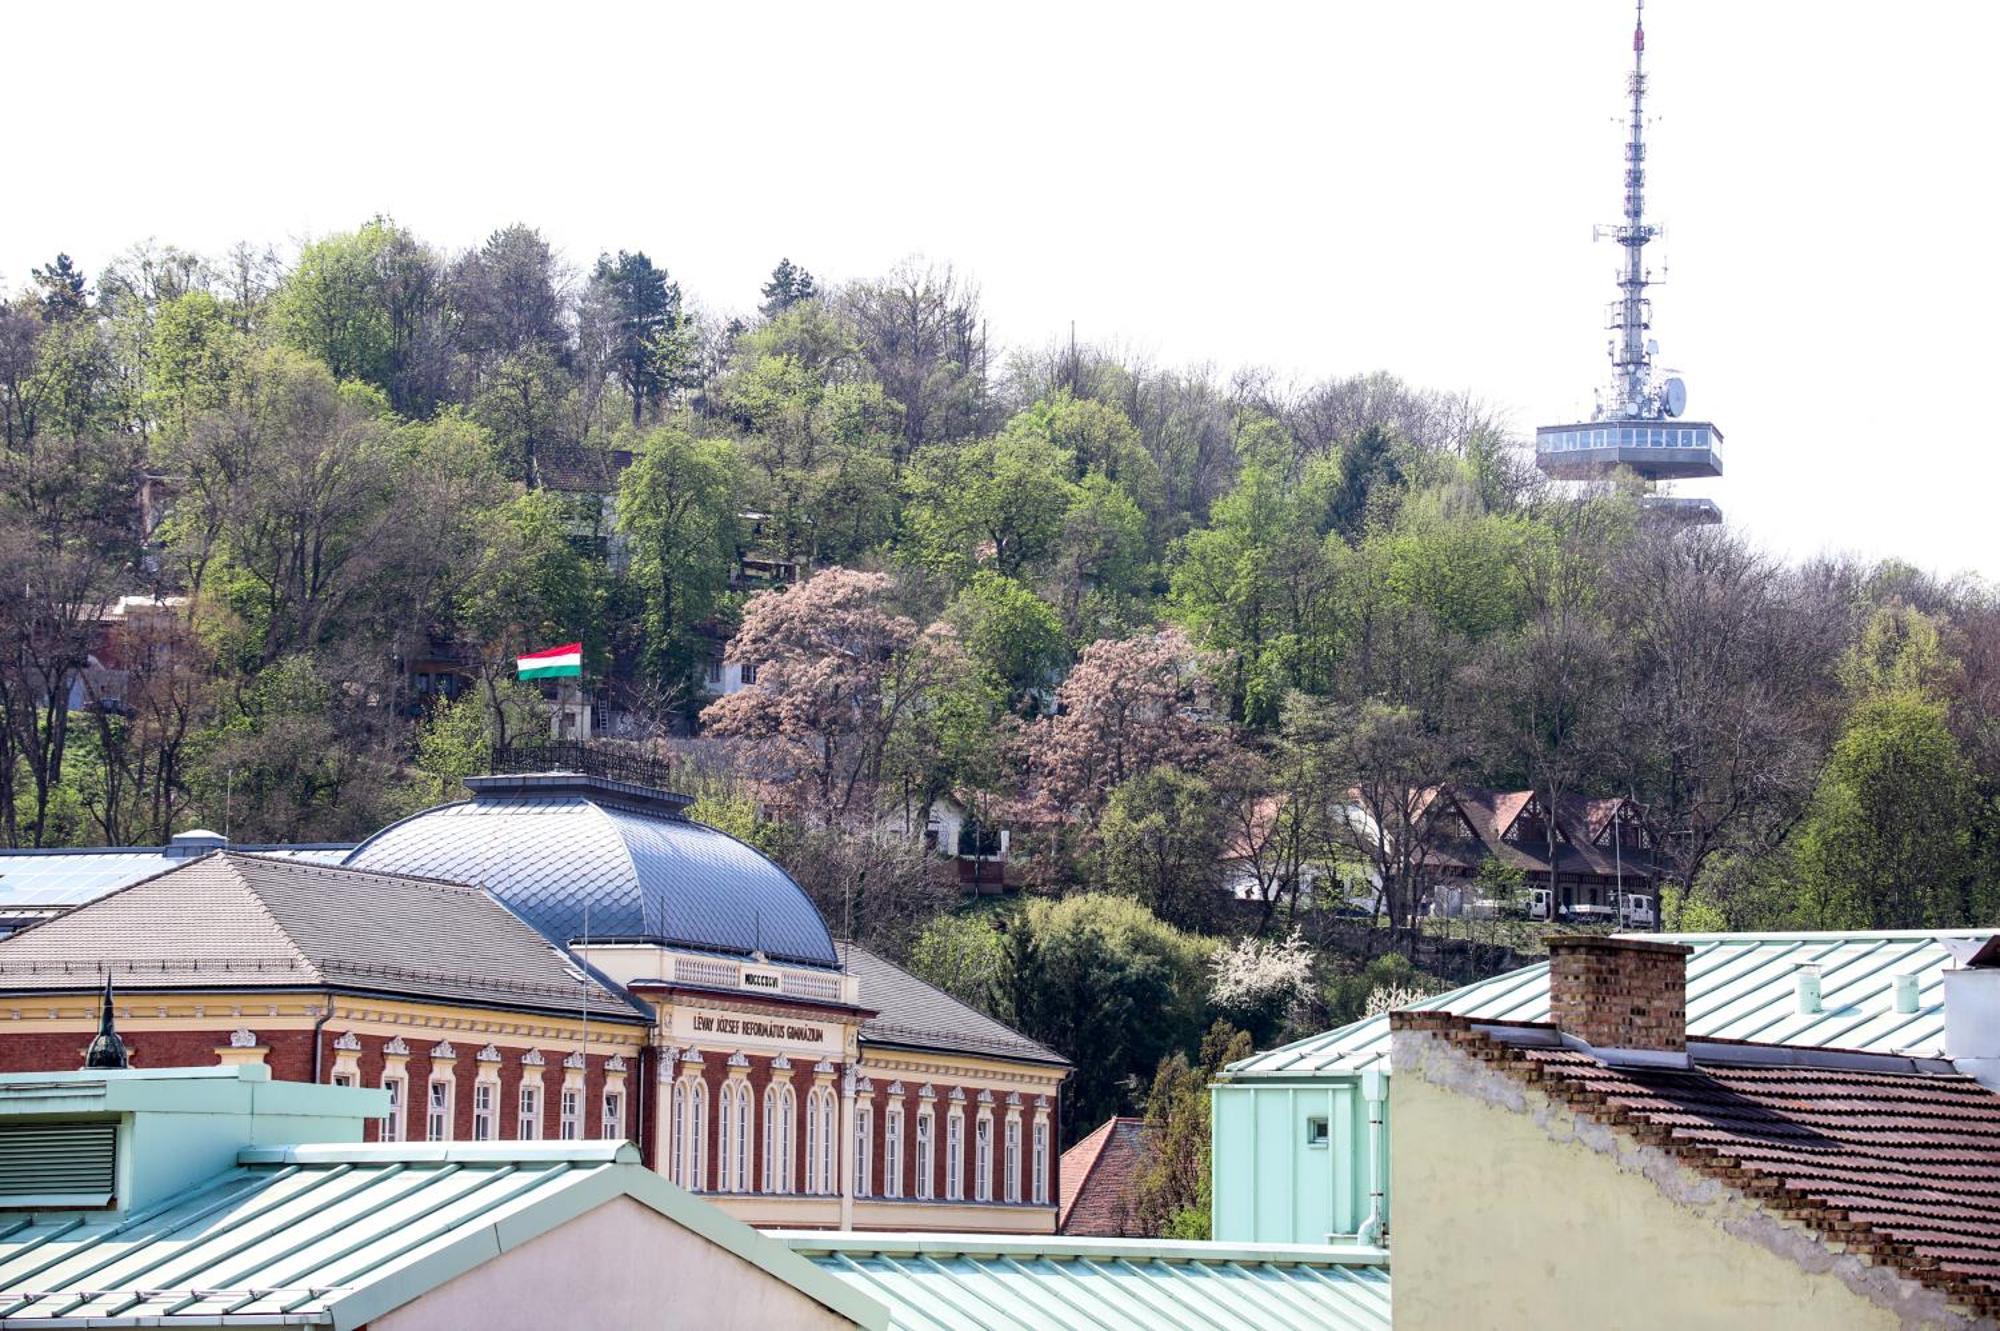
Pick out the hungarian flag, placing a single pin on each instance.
(564, 662)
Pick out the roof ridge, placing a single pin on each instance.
(264, 907)
(316, 867)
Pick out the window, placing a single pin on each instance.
(343, 1079)
(614, 1116)
(864, 1146)
(820, 1140)
(392, 1126)
(528, 1119)
(1012, 1161)
(1316, 1132)
(735, 1110)
(1041, 1184)
(689, 1137)
(437, 1111)
(483, 1095)
(926, 1155)
(749, 675)
(954, 1158)
(780, 1110)
(714, 671)
(982, 1162)
(892, 1153)
(570, 1104)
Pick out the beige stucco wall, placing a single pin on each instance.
(620, 1265)
(1511, 1212)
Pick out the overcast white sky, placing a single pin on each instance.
(1326, 188)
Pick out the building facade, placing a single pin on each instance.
(562, 956)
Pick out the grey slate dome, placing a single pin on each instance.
(550, 844)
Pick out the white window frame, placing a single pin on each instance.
(438, 1117)
(528, 1111)
(926, 1152)
(569, 1111)
(690, 1133)
(614, 1115)
(954, 1156)
(737, 1127)
(397, 1119)
(1041, 1181)
(864, 1146)
(485, 1110)
(1011, 1188)
(892, 1153)
(781, 1104)
(982, 1159)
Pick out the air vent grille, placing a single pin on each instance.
(50, 1160)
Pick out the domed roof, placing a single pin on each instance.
(551, 845)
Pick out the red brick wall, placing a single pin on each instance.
(1619, 993)
(62, 1051)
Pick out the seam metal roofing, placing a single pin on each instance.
(1739, 987)
(336, 1236)
(980, 1282)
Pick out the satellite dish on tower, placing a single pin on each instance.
(1676, 397)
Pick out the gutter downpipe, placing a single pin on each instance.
(1374, 1089)
(319, 1028)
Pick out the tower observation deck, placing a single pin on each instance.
(1638, 421)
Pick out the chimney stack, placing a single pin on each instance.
(1620, 995)
(1972, 1008)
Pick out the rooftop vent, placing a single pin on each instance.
(1807, 982)
(1905, 991)
(196, 841)
(58, 1164)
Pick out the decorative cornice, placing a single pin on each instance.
(396, 1048)
(781, 1064)
(243, 1038)
(986, 1097)
(958, 1094)
(347, 1042)
(864, 1087)
(490, 1054)
(443, 1049)
(895, 1088)
(573, 1059)
(533, 1059)
(929, 1092)
(739, 1060)
(823, 1068)
(691, 1056)
(1014, 1098)
(616, 1063)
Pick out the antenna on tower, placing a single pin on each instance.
(1635, 426)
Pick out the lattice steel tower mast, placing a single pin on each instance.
(1637, 424)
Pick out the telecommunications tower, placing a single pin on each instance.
(1638, 421)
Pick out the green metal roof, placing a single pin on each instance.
(1739, 987)
(336, 1236)
(981, 1282)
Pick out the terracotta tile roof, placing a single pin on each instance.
(1902, 1167)
(233, 920)
(1098, 1179)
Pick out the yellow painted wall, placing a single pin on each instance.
(1515, 1218)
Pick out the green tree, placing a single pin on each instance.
(1887, 843)
(1162, 839)
(646, 339)
(962, 954)
(1013, 633)
(370, 304)
(1105, 982)
(1173, 1188)
(997, 503)
(677, 508)
(789, 285)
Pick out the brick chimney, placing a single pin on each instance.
(1625, 994)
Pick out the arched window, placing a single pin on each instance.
(954, 1157)
(734, 1175)
(864, 1146)
(690, 1133)
(892, 1153)
(982, 1160)
(820, 1140)
(780, 1114)
(926, 1154)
